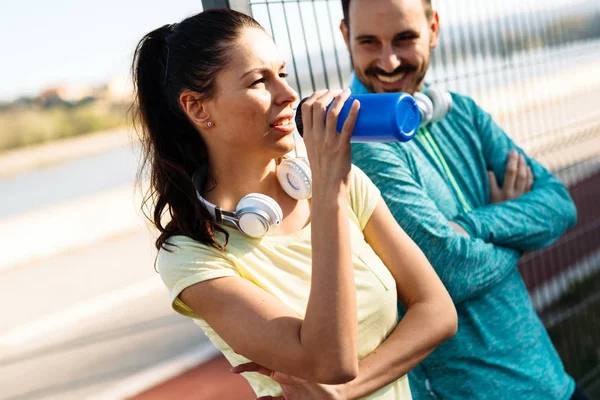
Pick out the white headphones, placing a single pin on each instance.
(434, 104)
(256, 214)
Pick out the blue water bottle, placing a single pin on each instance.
(383, 117)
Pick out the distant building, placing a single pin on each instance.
(71, 93)
(120, 89)
(117, 90)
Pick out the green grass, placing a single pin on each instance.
(28, 126)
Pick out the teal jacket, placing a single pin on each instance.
(501, 349)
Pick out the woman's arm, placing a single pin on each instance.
(430, 318)
(321, 347)
(260, 327)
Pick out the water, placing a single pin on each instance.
(81, 177)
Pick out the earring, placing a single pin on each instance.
(209, 124)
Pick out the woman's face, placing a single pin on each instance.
(253, 107)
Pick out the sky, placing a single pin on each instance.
(50, 42)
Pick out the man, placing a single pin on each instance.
(442, 187)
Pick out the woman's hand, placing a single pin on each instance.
(333, 288)
(328, 151)
(294, 388)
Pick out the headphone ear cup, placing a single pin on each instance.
(425, 107)
(295, 177)
(257, 214)
(442, 103)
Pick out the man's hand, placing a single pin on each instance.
(294, 388)
(518, 179)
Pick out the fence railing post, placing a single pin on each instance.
(238, 5)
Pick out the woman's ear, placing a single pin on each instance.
(195, 109)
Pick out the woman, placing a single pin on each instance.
(305, 286)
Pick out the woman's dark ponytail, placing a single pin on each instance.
(168, 60)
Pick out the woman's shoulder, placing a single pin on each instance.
(359, 180)
(363, 195)
(180, 248)
(180, 243)
(183, 261)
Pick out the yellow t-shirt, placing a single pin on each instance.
(281, 265)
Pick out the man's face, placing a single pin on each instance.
(390, 42)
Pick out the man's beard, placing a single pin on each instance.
(370, 76)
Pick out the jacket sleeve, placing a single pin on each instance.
(530, 222)
(466, 266)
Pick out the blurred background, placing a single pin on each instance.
(83, 313)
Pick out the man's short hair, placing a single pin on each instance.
(346, 6)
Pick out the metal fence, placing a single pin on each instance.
(535, 66)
